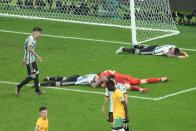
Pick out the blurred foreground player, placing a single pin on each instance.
(42, 122)
(30, 62)
(120, 109)
(108, 99)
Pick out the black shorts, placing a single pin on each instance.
(32, 68)
(148, 50)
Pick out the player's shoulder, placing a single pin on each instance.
(39, 120)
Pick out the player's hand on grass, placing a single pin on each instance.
(40, 59)
(182, 57)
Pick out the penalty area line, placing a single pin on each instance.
(176, 93)
(80, 38)
(77, 90)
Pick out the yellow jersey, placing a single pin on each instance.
(118, 107)
(42, 124)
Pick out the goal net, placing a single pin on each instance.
(148, 19)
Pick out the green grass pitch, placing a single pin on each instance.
(77, 111)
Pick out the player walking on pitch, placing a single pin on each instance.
(30, 62)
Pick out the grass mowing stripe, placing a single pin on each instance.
(80, 38)
(76, 90)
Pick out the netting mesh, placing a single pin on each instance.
(153, 17)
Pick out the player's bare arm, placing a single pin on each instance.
(106, 100)
(40, 59)
(183, 53)
(126, 111)
(126, 97)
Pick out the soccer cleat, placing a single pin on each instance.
(40, 93)
(17, 90)
(120, 50)
(46, 79)
(144, 90)
(164, 79)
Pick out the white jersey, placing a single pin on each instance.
(119, 86)
(162, 50)
(28, 56)
(86, 79)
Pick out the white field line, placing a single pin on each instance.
(177, 93)
(80, 38)
(76, 90)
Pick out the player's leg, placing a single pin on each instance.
(126, 50)
(35, 76)
(54, 78)
(147, 50)
(135, 88)
(51, 83)
(70, 80)
(25, 81)
(153, 80)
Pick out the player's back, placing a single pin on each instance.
(108, 73)
(86, 79)
(162, 50)
(118, 108)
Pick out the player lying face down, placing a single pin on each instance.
(164, 50)
(129, 82)
(71, 80)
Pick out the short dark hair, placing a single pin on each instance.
(37, 29)
(177, 51)
(111, 77)
(110, 85)
(42, 108)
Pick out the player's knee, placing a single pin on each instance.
(33, 76)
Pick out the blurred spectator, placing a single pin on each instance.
(58, 5)
(40, 4)
(19, 3)
(50, 2)
(29, 4)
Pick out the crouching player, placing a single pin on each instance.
(108, 98)
(71, 80)
(164, 50)
(120, 109)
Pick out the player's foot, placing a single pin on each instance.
(17, 90)
(46, 79)
(40, 92)
(144, 90)
(164, 79)
(120, 50)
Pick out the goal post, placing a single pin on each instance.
(148, 19)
